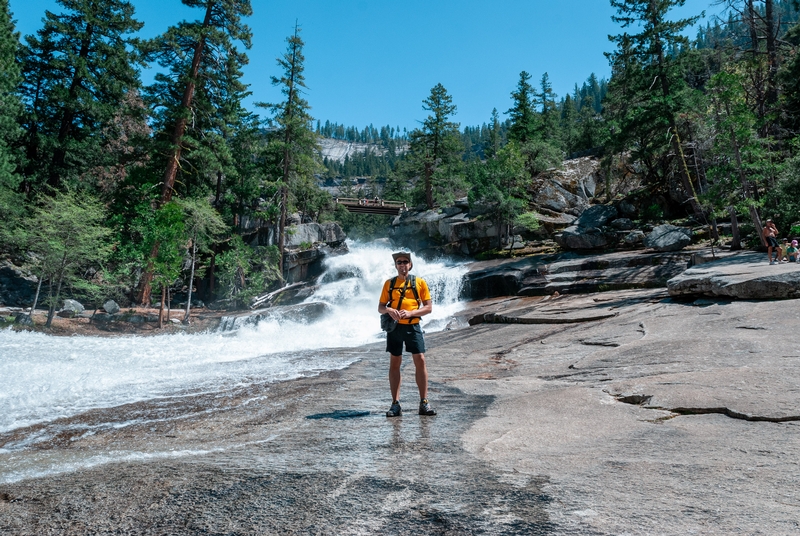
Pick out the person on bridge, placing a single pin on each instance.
(411, 299)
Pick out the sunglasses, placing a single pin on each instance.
(402, 262)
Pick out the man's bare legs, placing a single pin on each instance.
(421, 375)
(394, 375)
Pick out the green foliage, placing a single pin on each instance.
(435, 152)
(10, 105)
(203, 225)
(197, 102)
(647, 90)
(653, 212)
(291, 156)
(528, 220)
(246, 272)
(65, 235)
(500, 184)
(363, 227)
(783, 201)
(524, 121)
(76, 72)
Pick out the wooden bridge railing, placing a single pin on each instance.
(372, 206)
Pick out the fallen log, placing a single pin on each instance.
(260, 300)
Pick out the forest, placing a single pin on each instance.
(113, 188)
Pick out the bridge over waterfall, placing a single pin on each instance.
(372, 206)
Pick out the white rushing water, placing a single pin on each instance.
(43, 378)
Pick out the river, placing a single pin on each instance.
(47, 382)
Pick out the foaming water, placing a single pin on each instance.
(44, 378)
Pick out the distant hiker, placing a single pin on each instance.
(792, 253)
(771, 236)
(406, 298)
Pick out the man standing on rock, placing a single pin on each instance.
(771, 237)
(406, 298)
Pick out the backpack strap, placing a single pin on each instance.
(413, 279)
(402, 295)
(392, 281)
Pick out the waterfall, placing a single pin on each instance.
(44, 378)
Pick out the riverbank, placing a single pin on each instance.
(671, 417)
(200, 320)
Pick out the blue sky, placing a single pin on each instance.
(375, 61)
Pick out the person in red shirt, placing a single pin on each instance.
(406, 307)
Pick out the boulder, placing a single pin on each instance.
(622, 224)
(668, 238)
(571, 273)
(596, 216)
(67, 313)
(17, 287)
(745, 276)
(626, 209)
(23, 319)
(111, 307)
(73, 306)
(102, 318)
(582, 238)
(634, 238)
(569, 188)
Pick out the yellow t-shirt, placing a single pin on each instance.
(409, 302)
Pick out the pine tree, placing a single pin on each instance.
(569, 134)
(10, 105)
(200, 97)
(549, 121)
(650, 91)
(493, 142)
(435, 149)
(292, 150)
(77, 70)
(522, 114)
(198, 103)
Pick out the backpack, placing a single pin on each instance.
(412, 279)
(387, 322)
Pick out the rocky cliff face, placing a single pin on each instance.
(560, 196)
(307, 245)
(339, 149)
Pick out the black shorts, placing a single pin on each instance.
(410, 334)
(772, 242)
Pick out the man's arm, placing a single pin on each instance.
(426, 309)
(394, 313)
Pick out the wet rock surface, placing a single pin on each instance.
(541, 275)
(657, 417)
(746, 276)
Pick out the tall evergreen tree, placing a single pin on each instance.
(10, 105)
(292, 149)
(200, 96)
(435, 149)
(77, 70)
(494, 140)
(569, 132)
(649, 86)
(199, 99)
(549, 123)
(522, 113)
